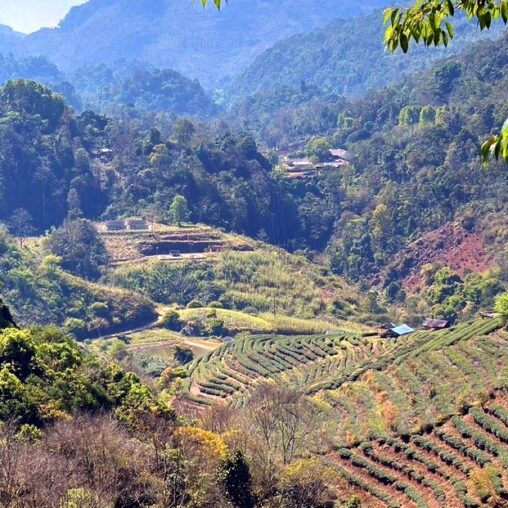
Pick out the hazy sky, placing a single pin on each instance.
(29, 15)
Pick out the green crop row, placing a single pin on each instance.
(384, 477)
(480, 440)
(367, 487)
(445, 456)
(399, 465)
(500, 412)
(490, 424)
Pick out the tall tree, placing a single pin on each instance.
(179, 209)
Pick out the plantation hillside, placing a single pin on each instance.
(377, 385)
(459, 462)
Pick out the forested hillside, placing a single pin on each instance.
(45, 164)
(38, 69)
(415, 169)
(136, 89)
(331, 59)
(416, 158)
(209, 45)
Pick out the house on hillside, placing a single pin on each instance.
(115, 225)
(340, 157)
(394, 331)
(298, 165)
(138, 224)
(489, 315)
(436, 324)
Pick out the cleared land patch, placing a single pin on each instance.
(169, 243)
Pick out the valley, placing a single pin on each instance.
(254, 255)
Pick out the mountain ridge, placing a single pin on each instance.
(204, 44)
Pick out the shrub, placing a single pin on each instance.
(216, 327)
(183, 355)
(194, 304)
(75, 326)
(171, 321)
(501, 306)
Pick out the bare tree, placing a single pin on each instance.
(285, 420)
(20, 224)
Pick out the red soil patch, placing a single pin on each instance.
(451, 245)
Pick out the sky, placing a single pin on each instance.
(29, 15)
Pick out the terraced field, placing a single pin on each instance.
(417, 384)
(323, 366)
(419, 422)
(463, 462)
(233, 370)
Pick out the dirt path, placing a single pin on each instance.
(150, 325)
(152, 345)
(201, 344)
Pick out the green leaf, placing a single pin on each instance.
(504, 10)
(451, 29)
(404, 43)
(387, 15)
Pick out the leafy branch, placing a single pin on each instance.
(427, 21)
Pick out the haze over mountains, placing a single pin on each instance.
(331, 58)
(209, 45)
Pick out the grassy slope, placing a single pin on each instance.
(254, 282)
(238, 322)
(40, 292)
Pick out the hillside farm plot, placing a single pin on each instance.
(232, 371)
(168, 243)
(462, 462)
(367, 386)
(418, 383)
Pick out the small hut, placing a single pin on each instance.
(115, 225)
(394, 331)
(436, 324)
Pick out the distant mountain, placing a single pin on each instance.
(38, 69)
(9, 38)
(125, 86)
(346, 57)
(201, 43)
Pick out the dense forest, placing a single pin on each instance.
(330, 59)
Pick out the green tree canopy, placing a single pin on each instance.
(428, 22)
(179, 209)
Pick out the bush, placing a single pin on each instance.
(75, 326)
(216, 327)
(502, 306)
(183, 355)
(194, 304)
(171, 321)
